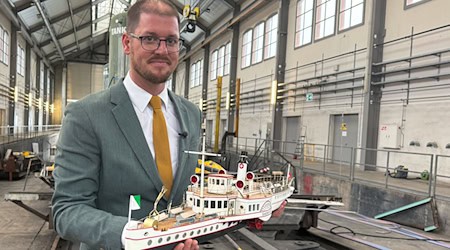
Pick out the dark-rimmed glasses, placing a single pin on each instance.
(152, 43)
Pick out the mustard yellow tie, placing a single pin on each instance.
(161, 144)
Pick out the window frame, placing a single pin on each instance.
(4, 44)
(267, 34)
(226, 70)
(339, 30)
(254, 42)
(213, 70)
(20, 60)
(324, 20)
(196, 75)
(409, 6)
(221, 61)
(249, 44)
(313, 15)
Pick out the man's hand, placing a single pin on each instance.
(189, 244)
(277, 213)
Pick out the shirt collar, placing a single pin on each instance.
(141, 98)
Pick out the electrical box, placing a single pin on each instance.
(389, 136)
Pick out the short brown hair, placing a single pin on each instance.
(149, 7)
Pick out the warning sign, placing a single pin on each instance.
(343, 126)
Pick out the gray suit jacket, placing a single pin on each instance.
(103, 158)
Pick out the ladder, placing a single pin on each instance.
(299, 147)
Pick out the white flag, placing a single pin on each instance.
(135, 202)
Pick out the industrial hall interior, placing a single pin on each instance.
(339, 105)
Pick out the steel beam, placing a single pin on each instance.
(280, 66)
(187, 72)
(39, 25)
(12, 78)
(49, 28)
(233, 72)
(73, 23)
(372, 92)
(67, 33)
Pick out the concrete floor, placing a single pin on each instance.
(20, 229)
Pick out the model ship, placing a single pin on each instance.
(219, 203)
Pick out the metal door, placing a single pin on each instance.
(292, 134)
(345, 137)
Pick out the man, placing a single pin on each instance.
(107, 150)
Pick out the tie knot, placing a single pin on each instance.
(155, 102)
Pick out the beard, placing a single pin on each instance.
(147, 74)
(150, 74)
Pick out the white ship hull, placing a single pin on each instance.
(147, 238)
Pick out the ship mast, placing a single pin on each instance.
(203, 153)
(202, 172)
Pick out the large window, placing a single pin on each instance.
(325, 18)
(4, 46)
(270, 46)
(213, 69)
(246, 48)
(226, 69)
(20, 61)
(221, 61)
(258, 43)
(351, 13)
(196, 73)
(303, 24)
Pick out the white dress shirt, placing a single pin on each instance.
(141, 99)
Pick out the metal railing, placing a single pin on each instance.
(344, 162)
(9, 134)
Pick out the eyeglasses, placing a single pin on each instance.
(152, 43)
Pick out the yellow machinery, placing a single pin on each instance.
(210, 167)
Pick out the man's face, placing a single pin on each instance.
(157, 65)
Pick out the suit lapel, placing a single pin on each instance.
(129, 125)
(183, 119)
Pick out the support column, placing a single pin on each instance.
(45, 97)
(38, 90)
(51, 97)
(280, 67)
(187, 73)
(372, 95)
(59, 94)
(205, 71)
(12, 78)
(26, 116)
(233, 71)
